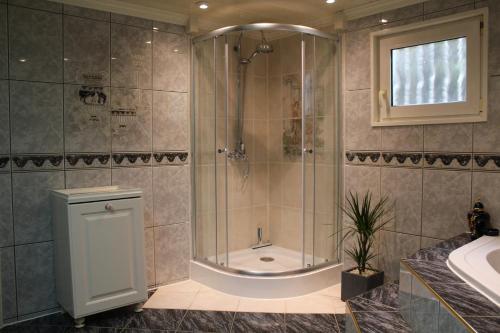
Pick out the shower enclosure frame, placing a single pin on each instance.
(304, 30)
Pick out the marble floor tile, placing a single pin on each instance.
(382, 322)
(359, 304)
(153, 319)
(485, 324)
(207, 321)
(310, 323)
(388, 295)
(258, 322)
(340, 318)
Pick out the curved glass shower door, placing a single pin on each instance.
(265, 143)
(210, 159)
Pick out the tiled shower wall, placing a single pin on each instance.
(88, 98)
(432, 172)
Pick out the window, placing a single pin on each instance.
(432, 72)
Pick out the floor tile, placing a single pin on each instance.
(170, 300)
(261, 305)
(310, 323)
(207, 321)
(313, 304)
(340, 318)
(258, 322)
(155, 319)
(333, 291)
(214, 300)
(183, 286)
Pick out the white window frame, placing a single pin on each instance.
(472, 25)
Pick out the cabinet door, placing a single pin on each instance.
(107, 254)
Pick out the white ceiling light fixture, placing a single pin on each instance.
(384, 20)
(202, 5)
(330, 1)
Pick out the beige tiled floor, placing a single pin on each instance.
(195, 296)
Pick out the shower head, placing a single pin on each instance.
(262, 48)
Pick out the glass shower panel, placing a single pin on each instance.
(285, 133)
(326, 145)
(221, 144)
(205, 145)
(308, 153)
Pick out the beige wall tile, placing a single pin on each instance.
(357, 60)
(403, 138)
(359, 134)
(486, 135)
(393, 247)
(404, 189)
(447, 199)
(486, 186)
(172, 246)
(449, 138)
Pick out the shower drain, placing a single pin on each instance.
(267, 259)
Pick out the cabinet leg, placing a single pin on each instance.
(138, 307)
(79, 322)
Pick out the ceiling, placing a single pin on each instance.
(314, 13)
(221, 13)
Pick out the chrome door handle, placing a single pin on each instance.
(108, 207)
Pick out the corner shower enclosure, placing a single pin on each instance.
(266, 147)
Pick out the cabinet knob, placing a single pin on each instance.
(108, 207)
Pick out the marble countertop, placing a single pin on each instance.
(430, 265)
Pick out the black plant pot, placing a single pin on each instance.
(353, 284)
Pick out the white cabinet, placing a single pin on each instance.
(99, 249)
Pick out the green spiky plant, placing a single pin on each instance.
(367, 218)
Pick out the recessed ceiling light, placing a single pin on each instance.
(202, 4)
(383, 21)
(330, 1)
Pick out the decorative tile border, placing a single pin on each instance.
(90, 160)
(486, 162)
(443, 161)
(4, 163)
(131, 159)
(363, 157)
(178, 157)
(76, 161)
(417, 159)
(37, 162)
(402, 159)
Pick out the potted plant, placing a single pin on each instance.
(367, 217)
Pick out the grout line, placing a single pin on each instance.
(11, 173)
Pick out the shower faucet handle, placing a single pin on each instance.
(222, 150)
